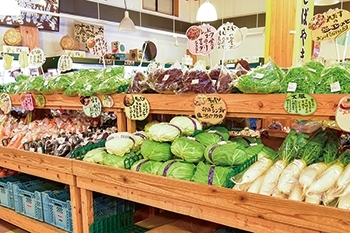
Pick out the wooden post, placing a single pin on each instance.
(87, 209)
(121, 120)
(76, 209)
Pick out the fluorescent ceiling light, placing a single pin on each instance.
(126, 25)
(11, 8)
(325, 2)
(206, 12)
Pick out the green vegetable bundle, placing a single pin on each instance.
(225, 154)
(315, 68)
(265, 79)
(60, 83)
(335, 80)
(188, 149)
(146, 166)
(211, 174)
(300, 77)
(177, 169)
(156, 151)
(112, 81)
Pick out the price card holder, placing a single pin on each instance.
(210, 109)
(40, 100)
(92, 106)
(27, 102)
(136, 107)
(300, 104)
(107, 101)
(5, 103)
(342, 115)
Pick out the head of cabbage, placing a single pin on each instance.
(177, 169)
(157, 151)
(226, 154)
(188, 125)
(146, 166)
(163, 132)
(211, 174)
(188, 149)
(139, 137)
(119, 143)
(95, 156)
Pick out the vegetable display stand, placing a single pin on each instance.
(48, 167)
(251, 212)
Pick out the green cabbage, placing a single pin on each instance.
(120, 143)
(225, 133)
(211, 174)
(188, 125)
(139, 137)
(210, 137)
(177, 169)
(241, 141)
(163, 132)
(226, 154)
(157, 151)
(149, 124)
(146, 166)
(188, 149)
(95, 156)
(254, 150)
(114, 160)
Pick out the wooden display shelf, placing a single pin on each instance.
(242, 210)
(26, 223)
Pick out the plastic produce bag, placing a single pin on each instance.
(196, 80)
(60, 83)
(298, 80)
(138, 83)
(335, 79)
(223, 79)
(264, 79)
(170, 81)
(112, 81)
(315, 68)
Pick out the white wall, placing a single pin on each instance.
(328, 50)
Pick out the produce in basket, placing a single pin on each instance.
(156, 151)
(188, 125)
(188, 149)
(211, 174)
(146, 166)
(177, 169)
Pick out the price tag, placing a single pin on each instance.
(92, 106)
(136, 107)
(210, 109)
(230, 36)
(342, 115)
(40, 100)
(107, 101)
(65, 63)
(258, 75)
(5, 103)
(165, 77)
(99, 47)
(312, 70)
(37, 57)
(27, 102)
(300, 104)
(299, 163)
(202, 39)
(335, 87)
(292, 87)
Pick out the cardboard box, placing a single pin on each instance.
(135, 54)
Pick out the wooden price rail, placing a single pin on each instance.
(256, 213)
(44, 166)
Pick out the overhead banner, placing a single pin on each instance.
(302, 39)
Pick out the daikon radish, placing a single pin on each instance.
(277, 193)
(296, 193)
(329, 196)
(344, 179)
(344, 202)
(271, 178)
(310, 174)
(255, 187)
(314, 199)
(242, 187)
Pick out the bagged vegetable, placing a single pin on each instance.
(60, 83)
(170, 81)
(188, 125)
(225, 154)
(211, 174)
(334, 79)
(177, 169)
(224, 81)
(156, 151)
(146, 166)
(164, 132)
(154, 72)
(196, 80)
(113, 81)
(264, 79)
(298, 80)
(188, 149)
(138, 83)
(119, 143)
(315, 68)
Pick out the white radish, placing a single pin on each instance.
(326, 180)
(343, 180)
(329, 196)
(242, 187)
(277, 193)
(310, 174)
(255, 187)
(314, 199)
(290, 175)
(256, 170)
(296, 193)
(344, 202)
(271, 178)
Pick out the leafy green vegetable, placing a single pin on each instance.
(303, 79)
(332, 77)
(120, 143)
(177, 169)
(291, 145)
(211, 174)
(157, 151)
(254, 150)
(315, 68)
(220, 129)
(146, 166)
(114, 160)
(60, 82)
(95, 156)
(188, 125)
(268, 153)
(226, 154)
(139, 137)
(188, 149)
(163, 132)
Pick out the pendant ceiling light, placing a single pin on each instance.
(325, 2)
(10, 8)
(126, 25)
(206, 12)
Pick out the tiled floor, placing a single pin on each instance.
(8, 228)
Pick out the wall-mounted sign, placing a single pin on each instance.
(342, 115)
(210, 109)
(136, 107)
(301, 104)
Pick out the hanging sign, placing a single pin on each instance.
(201, 39)
(301, 104)
(65, 63)
(329, 25)
(230, 36)
(37, 57)
(7, 62)
(107, 101)
(40, 100)
(342, 115)
(23, 60)
(92, 106)
(136, 107)
(5, 103)
(97, 46)
(210, 109)
(27, 102)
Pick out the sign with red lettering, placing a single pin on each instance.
(342, 115)
(210, 109)
(201, 39)
(27, 102)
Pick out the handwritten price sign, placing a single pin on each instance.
(230, 36)
(136, 107)
(27, 102)
(201, 39)
(301, 104)
(342, 115)
(210, 109)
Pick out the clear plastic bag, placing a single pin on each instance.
(170, 81)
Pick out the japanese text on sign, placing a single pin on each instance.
(303, 34)
(230, 36)
(92, 106)
(27, 102)
(201, 39)
(136, 107)
(211, 109)
(302, 104)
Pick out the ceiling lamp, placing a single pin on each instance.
(126, 25)
(10, 8)
(206, 12)
(325, 2)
